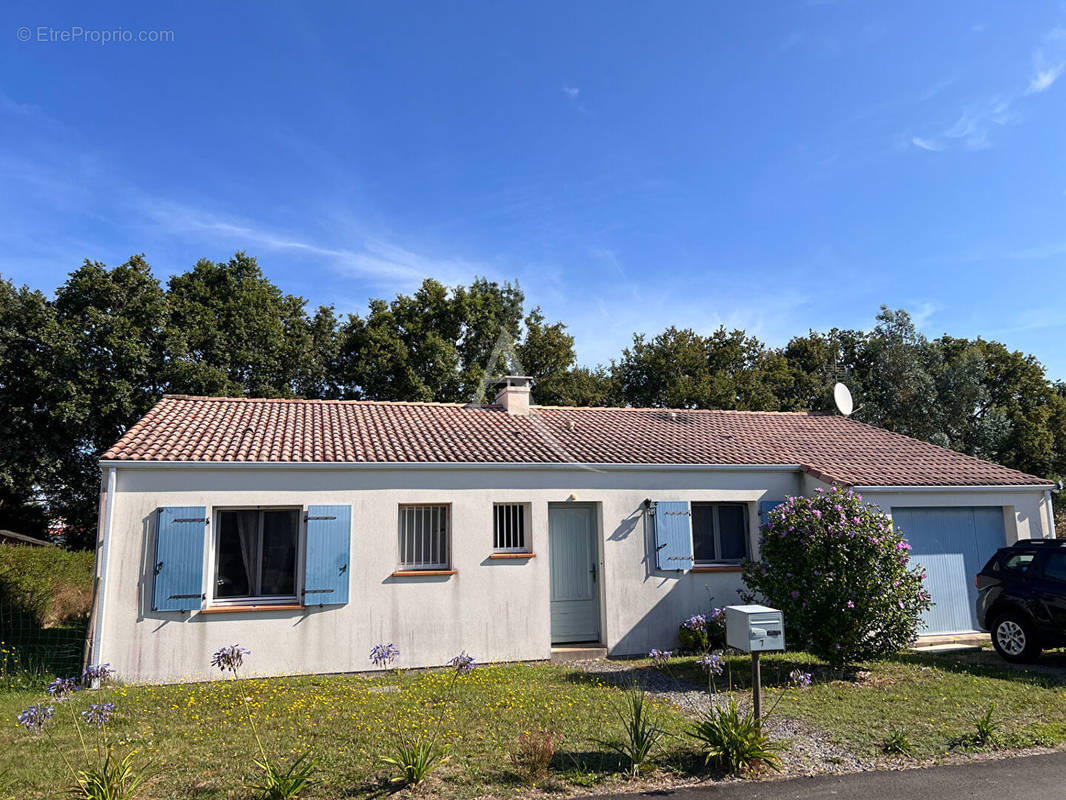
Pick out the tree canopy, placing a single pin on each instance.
(78, 369)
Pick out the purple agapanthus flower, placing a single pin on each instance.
(35, 717)
(96, 673)
(660, 657)
(99, 714)
(229, 658)
(800, 679)
(710, 663)
(62, 688)
(382, 655)
(697, 622)
(463, 663)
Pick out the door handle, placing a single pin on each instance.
(592, 572)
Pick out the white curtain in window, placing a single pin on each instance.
(248, 532)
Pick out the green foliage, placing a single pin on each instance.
(897, 742)
(112, 779)
(682, 369)
(986, 729)
(840, 572)
(534, 754)
(51, 584)
(414, 758)
(641, 730)
(77, 371)
(733, 740)
(284, 783)
(702, 632)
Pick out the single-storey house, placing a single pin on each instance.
(310, 530)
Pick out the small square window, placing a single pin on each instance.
(509, 528)
(719, 533)
(424, 537)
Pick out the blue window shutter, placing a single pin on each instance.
(765, 507)
(673, 536)
(326, 567)
(179, 558)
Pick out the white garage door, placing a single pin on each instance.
(952, 544)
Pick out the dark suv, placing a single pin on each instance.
(1021, 598)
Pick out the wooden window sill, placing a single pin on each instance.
(422, 573)
(718, 568)
(513, 555)
(259, 607)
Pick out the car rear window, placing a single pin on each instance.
(1016, 562)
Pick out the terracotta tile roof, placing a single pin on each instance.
(219, 429)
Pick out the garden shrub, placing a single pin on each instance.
(839, 571)
(703, 632)
(733, 740)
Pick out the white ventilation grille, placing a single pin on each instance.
(509, 528)
(424, 537)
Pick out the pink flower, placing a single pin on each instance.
(851, 604)
(817, 513)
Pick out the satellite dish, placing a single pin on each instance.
(842, 397)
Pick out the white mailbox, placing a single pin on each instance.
(754, 629)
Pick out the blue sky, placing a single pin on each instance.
(772, 166)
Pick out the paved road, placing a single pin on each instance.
(1028, 778)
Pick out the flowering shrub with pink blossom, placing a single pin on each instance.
(840, 572)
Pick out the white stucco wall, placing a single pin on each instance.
(497, 610)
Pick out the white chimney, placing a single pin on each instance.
(514, 394)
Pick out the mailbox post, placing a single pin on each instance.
(755, 629)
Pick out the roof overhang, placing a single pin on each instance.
(600, 467)
(386, 465)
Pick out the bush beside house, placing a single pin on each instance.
(840, 572)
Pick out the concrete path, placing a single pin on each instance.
(1040, 777)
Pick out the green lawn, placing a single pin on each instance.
(933, 698)
(197, 738)
(201, 748)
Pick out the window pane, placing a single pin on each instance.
(703, 533)
(423, 537)
(280, 532)
(1055, 567)
(731, 532)
(1018, 562)
(509, 527)
(238, 553)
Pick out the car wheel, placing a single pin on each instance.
(1013, 638)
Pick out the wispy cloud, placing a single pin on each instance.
(973, 127)
(1044, 78)
(374, 258)
(574, 95)
(926, 144)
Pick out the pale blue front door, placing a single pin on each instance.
(574, 562)
(952, 544)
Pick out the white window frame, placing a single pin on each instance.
(716, 532)
(522, 518)
(404, 514)
(255, 600)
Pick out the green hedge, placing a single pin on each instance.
(51, 584)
